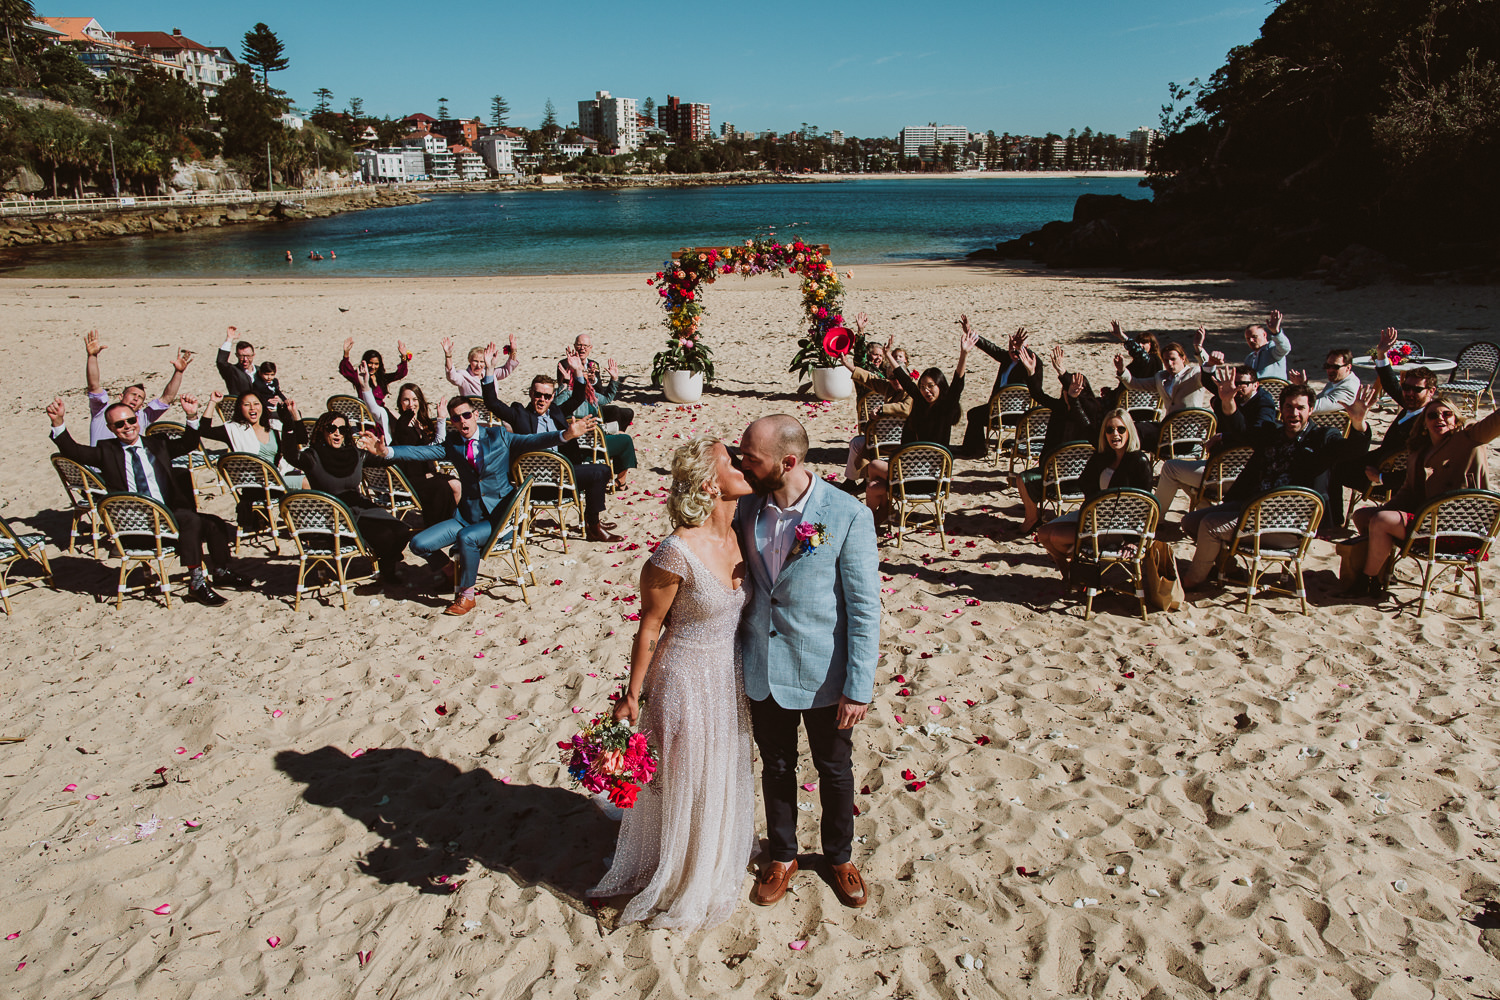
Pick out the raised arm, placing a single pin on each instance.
(91, 366)
(965, 345)
(1384, 370)
(179, 365)
(225, 353)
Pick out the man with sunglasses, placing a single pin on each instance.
(1258, 410)
(482, 457)
(605, 379)
(548, 409)
(1412, 391)
(134, 396)
(134, 464)
(1342, 386)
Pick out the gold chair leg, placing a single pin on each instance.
(1479, 591)
(1301, 587)
(120, 587)
(1426, 582)
(1088, 602)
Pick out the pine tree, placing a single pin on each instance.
(324, 95)
(262, 50)
(549, 121)
(499, 111)
(442, 108)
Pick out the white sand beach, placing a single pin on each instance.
(1209, 803)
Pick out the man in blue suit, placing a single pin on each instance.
(809, 640)
(482, 457)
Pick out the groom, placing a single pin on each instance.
(810, 637)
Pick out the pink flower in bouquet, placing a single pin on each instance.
(594, 782)
(684, 343)
(611, 762)
(639, 744)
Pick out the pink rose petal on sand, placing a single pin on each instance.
(494, 685)
(511, 718)
(21, 966)
(163, 909)
(191, 824)
(12, 936)
(70, 788)
(797, 945)
(196, 755)
(807, 787)
(277, 713)
(935, 709)
(357, 753)
(191, 679)
(898, 718)
(181, 750)
(273, 940)
(91, 797)
(577, 710)
(363, 956)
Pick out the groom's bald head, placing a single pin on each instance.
(779, 435)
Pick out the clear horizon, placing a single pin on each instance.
(1006, 66)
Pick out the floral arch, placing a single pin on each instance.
(680, 287)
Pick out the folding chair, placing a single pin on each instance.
(84, 489)
(1335, 419)
(1061, 472)
(388, 486)
(1185, 435)
(144, 532)
(1378, 492)
(1453, 533)
(252, 476)
(197, 462)
(1275, 529)
(509, 538)
(326, 534)
(1115, 529)
(1474, 368)
(1219, 474)
(1007, 407)
(1031, 435)
(16, 548)
(883, 437)
(921, 477)
(553, 488)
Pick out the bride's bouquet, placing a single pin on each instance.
(610, 756)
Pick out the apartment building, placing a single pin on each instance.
(684, 122)
(612, 120)
(926, 142)
(205, 67)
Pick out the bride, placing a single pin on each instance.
(683, 849)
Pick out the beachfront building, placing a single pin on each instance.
(726, 130)
(205, 67)
(684, 122)
(439, 164)
(96, 48)
(381, 166)
(926, 142)
(613, 120)
(573, 149)
(458, 131)
(498, 151)
(469, 164)
(1142, 141)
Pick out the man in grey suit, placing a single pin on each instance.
(809, 640)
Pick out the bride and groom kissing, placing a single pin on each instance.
(760, 616)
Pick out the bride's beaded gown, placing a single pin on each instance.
(684, 847)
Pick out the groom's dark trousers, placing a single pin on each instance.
(832, 751)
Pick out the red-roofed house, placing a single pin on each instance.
(419, 122)
(96, 48)
(204, 67)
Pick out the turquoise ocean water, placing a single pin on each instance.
(588, 232)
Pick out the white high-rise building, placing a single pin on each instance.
(611, 120)
(934, 137)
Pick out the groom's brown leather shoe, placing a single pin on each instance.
(848, 886)
(772, 882)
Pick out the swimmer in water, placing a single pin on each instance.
(288, 256)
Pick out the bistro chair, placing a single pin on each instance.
(508, 540)
(1453, 533)
(1474, 368)
(1115, 530)
(1393, 468)
(205, 481)
(1275, 529)
(553, 488)
(1275, 386)
(17, 548)
(388, 486)
(593, 446)
(1219, 474)
(921, 478)
(1185, 434)
(1061, 476)
(226, 408)
(1335, 419)
(1031, 437)
(883, 439)
(1007, 407)
(353, 410)
(1142, 404)
(1464, 401)
(326, 535)
(144, 533)
(251, 476)
(485, 417)
(84, 489)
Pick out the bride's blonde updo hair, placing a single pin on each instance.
(694, 463)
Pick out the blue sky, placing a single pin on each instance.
(866, 69)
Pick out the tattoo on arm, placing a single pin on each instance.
(651, 646)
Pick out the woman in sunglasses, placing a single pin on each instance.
(1446, 453)
(1119, 461)
(334, 466)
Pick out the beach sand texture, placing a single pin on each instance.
(1251, 805)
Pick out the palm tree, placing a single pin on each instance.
(16, 16)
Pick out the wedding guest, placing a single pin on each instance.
(268, 386)
(1011, 372)
(414, 423)
(592, 396)
(1269, 348)
(468, 379)
(1415, 388)
(1179, 384)
(544, 413)
(134, 396)
(334, 466)
(132, 463)
(883, 396)
(1342, 385)
(238, 377)
(936, 406)
(1448, 453)
(380, 377)
(1144, 350)
(1185, 475)
(482, 457)
(1294, 454)
(1118, 462)
(606, 382)
(252, 429)
(1076, 413)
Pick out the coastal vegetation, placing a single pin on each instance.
(1354, 138)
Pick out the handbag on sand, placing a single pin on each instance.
(1159, 578)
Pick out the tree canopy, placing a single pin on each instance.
(262, 50)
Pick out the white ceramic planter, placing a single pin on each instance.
(682, 387)
(833, 383)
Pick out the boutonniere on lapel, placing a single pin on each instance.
(810, 536)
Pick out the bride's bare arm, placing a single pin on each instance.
(658, 591)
